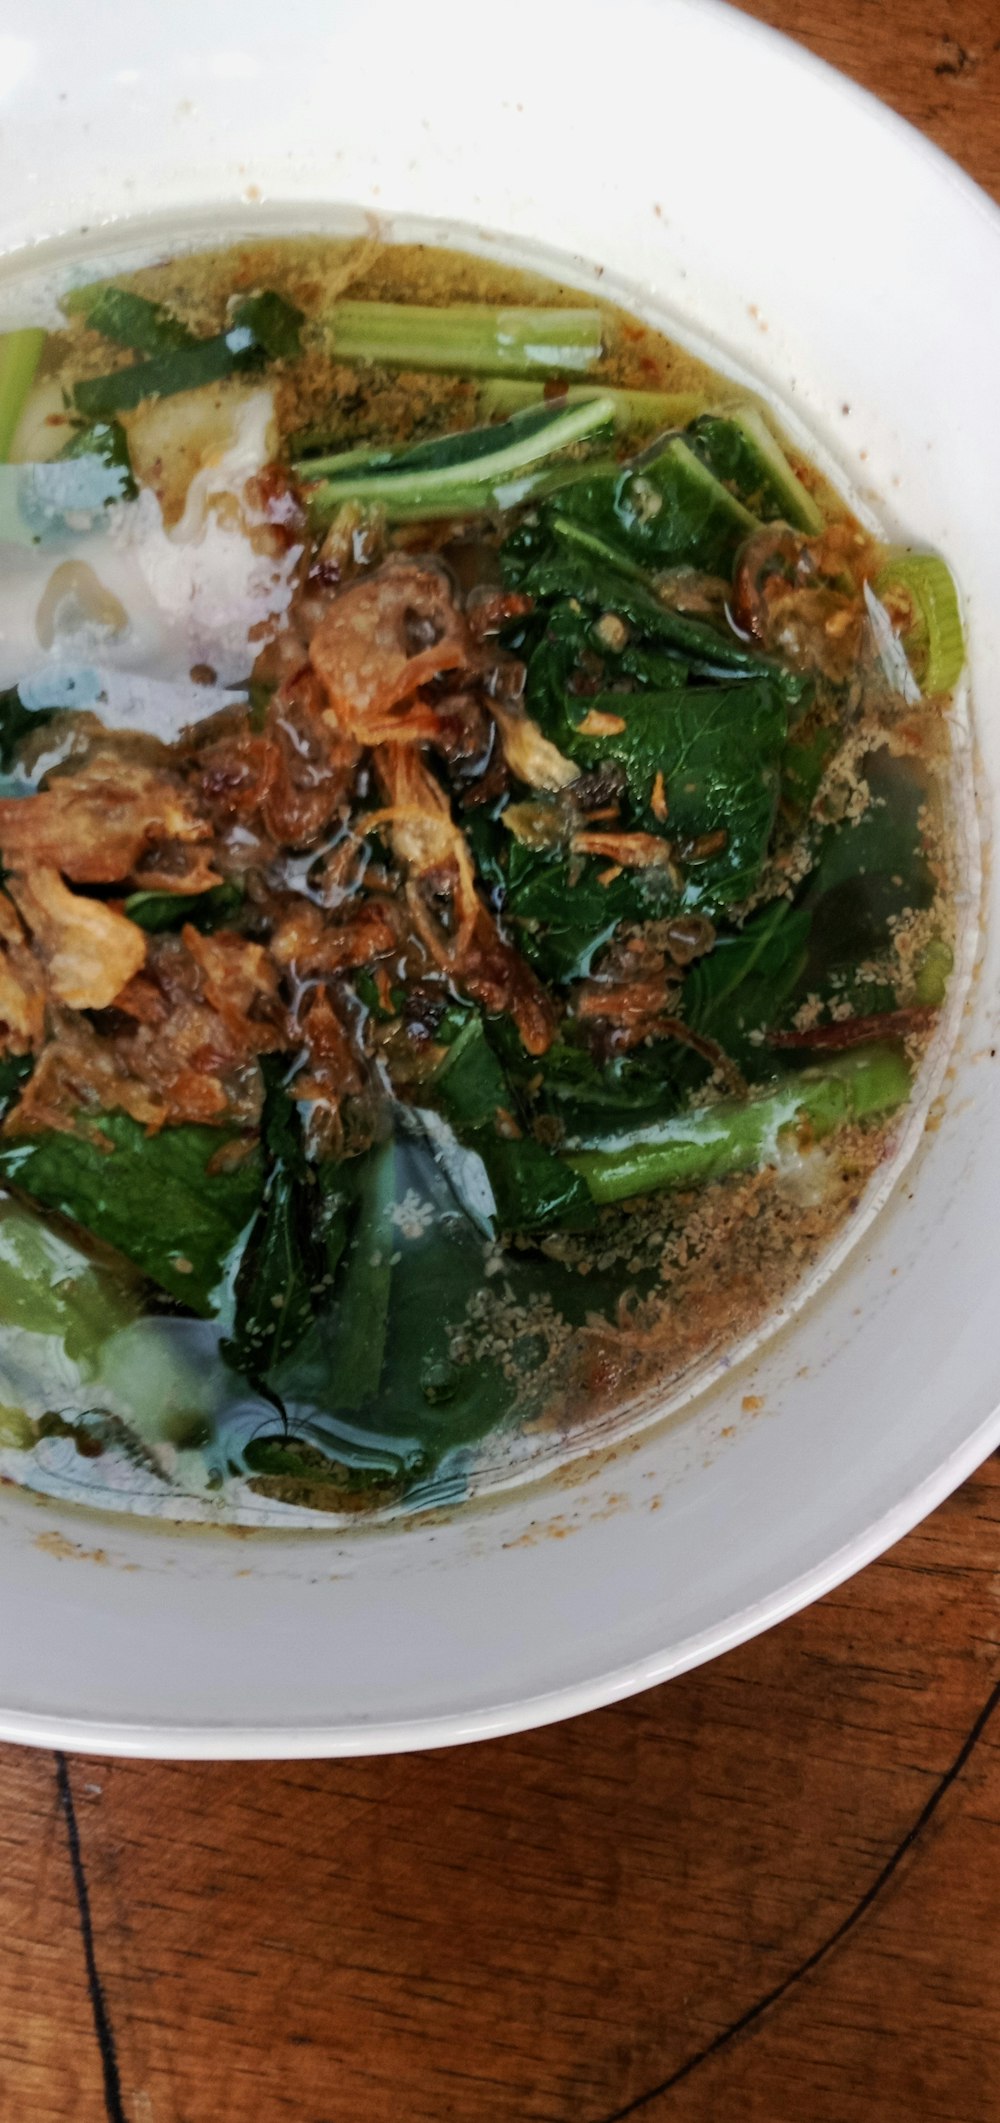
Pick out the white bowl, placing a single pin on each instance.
(725, 178)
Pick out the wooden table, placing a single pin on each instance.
(767, 1893)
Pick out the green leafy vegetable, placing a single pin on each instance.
(476, 469)
(212, 909)
(47, 1286)
(740, 450)
(128, 319)
(532, 1189)
(276, 324)
(17, 724)
(183, 368)
(105, 443)
(279, 1271)
(152, 1197)
(634, 412)
(668, 510)
(557, 558)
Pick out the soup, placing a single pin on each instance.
(477, 884)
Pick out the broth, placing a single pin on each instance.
(477, 885)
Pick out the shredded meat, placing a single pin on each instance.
(89, 951)
(387, 635)
(99, 823)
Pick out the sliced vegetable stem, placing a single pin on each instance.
(714, 1141)
(469, 338)
(919, 591)
(479, 469)
(635, 412)
(20, 353)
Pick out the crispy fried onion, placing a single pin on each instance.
(289, 780)
(631, 851)
(529, 753)
(385, 636)
(309, 944)
(22, 987)
(801, 597)
(181, 1045)
(335, 1080)
(433, 852)
(635, 995)
(103, 821)
(89, 951)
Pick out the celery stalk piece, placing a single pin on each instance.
(468, 338)
(20, 353)
(741, 1136)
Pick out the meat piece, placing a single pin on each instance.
(385, 636)
(442, 886)
(240, 983)
(22, 987)
(89, 951)
(97, 823)
(488, 609)
(233, 773)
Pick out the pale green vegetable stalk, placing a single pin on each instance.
(468, 338)
(741, 1136)
(635, 412)
(20, 353)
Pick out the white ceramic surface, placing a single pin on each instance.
(829, 252)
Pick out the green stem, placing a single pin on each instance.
(468, 338)
(714, 1141)
(20, 353)
(635, 412)
(460, 474)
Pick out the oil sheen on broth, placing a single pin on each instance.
(476, 890)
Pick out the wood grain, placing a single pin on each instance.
(768, 1893)
(50, 2067)
(563, 1924)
